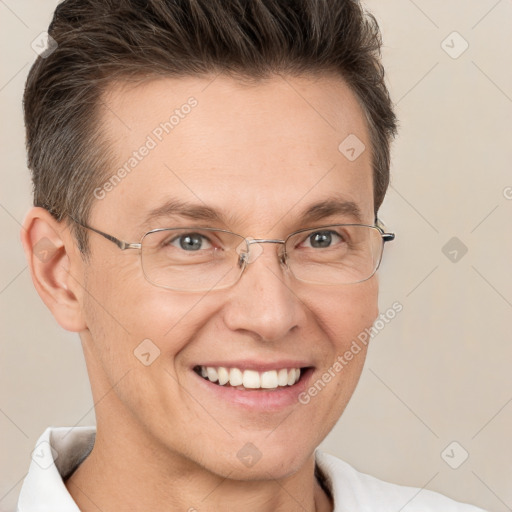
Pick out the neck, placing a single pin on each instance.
(129, 473)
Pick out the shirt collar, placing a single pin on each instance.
(57, 454)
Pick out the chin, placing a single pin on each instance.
(259, 460)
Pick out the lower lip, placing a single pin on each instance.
(258, 399)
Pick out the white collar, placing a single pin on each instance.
(58, 452)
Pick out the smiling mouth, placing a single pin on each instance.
(250, 379)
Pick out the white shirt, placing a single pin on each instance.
(59, 451)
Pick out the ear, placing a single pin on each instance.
(55, 266)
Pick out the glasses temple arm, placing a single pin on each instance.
(120, 243)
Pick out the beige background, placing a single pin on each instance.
(440, 371)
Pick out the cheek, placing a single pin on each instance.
(124, 311)
(138, 332)
(346, 311)
(342, 314)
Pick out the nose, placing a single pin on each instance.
(263, 302)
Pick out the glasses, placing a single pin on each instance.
(196, 259)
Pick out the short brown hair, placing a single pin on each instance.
(99, 42)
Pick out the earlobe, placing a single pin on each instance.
(51, 252)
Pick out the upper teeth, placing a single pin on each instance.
(251, 379)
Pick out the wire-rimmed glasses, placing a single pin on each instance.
(196, 259)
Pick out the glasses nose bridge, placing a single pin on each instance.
(252, 256)
(264, 241)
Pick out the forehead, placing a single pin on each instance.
(254, 152)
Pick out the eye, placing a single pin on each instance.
(322, 239)
(190, 242)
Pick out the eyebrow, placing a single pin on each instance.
(329, 207)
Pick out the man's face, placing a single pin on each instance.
(259, 155)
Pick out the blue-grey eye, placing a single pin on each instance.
(192, 242)
(322, 239)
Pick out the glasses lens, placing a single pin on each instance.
(339, 254)
(190, 259)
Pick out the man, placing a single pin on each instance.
(207, 177)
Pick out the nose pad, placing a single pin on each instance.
(251, 250)
(243, 254)
(248, 252)
(283, 258)
(242, 259)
